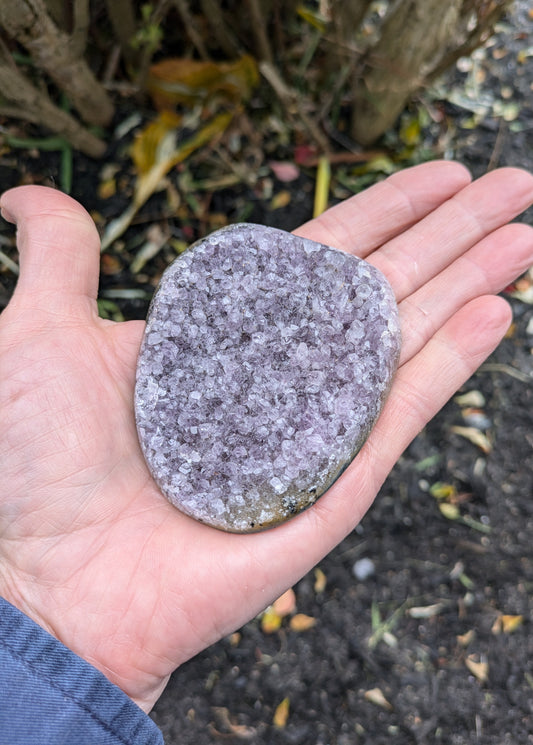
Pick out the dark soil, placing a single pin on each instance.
(421, 559)
(430, 626)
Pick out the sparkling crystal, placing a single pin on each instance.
(265, 363)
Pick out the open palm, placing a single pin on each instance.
(89, 548)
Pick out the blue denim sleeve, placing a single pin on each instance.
(49, 695)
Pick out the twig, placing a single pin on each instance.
(122, 17)
(190, 27)
(9, 263)
(291, 101)
(498, 146)
(507, 369)
(213, 14)
(259, 26)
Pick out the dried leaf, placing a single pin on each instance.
(506, 624)
(155, 152)
(465, 639)
(375, 696)
(156, 240)
(279, 200)
(441, 490)
(301, 622)
(285, 604)
(270, 621)
(241, 731)
(281, 715)
(320, 581)
(450, 511)
(186, 81)
(426, 611)
(156, 142)
(511, 623)
(475, 437)
(471, 398)
(479, 669)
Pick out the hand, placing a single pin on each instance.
(89, 548)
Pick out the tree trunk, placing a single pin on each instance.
(413, 39)
(35, 106)
(347, 16)
(29, 23)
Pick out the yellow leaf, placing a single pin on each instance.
(507, 624)
(320, 581)
(279, 200)
(155, 152)
(155, 142)
(312, 18)
(186, 81)
(450, 511)
(441, 490)
(479, 669)
(323, 179)
(270, 621)
(410, 131)
(281, 714)
(301, 622)
(375, 696)
(511, 623)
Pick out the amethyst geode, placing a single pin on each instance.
(264, 365)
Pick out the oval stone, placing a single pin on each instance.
(265, 362)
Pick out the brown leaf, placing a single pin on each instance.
(241, 731)
(186, 81)
(301, 622)
(279, 200)
(285, 604)
(320, 581)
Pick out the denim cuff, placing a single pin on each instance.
(50, 696)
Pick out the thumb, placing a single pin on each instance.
(59, 250)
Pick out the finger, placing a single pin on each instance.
(363, 222)
(58, 245)
(486, 269)
(421, 387)
(413, 258)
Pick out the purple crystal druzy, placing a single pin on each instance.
(264, 365)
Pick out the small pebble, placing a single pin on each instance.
(363, 569)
